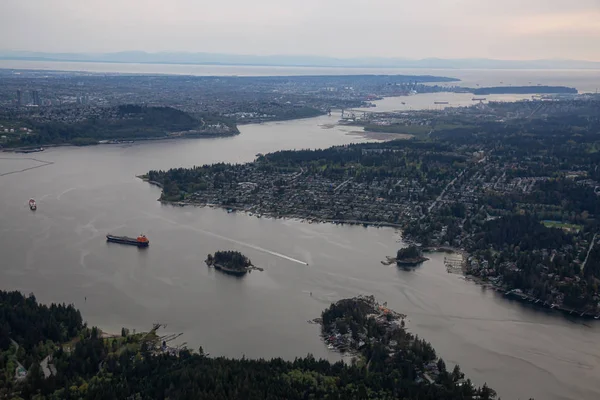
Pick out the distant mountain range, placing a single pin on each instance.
(296, 61)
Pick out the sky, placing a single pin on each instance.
(499, 29)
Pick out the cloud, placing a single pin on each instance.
(578, 23)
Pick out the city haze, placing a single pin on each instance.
(509, 30)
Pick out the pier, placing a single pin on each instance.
(454, 263)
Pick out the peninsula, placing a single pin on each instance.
(100, 125)
(40, 361)
(514, 186)
(376, 336)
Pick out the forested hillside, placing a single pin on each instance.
(83, 365)
(124, 122)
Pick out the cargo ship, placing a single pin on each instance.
(140, 241)
(27, 151)
(32, 205)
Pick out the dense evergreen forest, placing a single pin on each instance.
(229, 259)
(408, 253)
(29, 323)
(124, 122)
(83, 365)
(377, 336)
(524, 231)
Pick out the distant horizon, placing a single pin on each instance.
(511, 30)
(300, 60)
(275, 54)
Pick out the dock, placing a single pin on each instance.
(455, 263)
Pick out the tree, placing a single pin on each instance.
(485, 393)
(441, 365)
(408, 253)
(457, 374)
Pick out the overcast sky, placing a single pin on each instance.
(503, 29)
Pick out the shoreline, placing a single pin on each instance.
(509, 294)
(172, 136)
(26, 149)
(308, 219)
(521, 297)
(279, 120)
(143, 178)
(382, 136)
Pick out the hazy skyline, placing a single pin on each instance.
(511, 29)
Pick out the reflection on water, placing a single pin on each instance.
(60, 253)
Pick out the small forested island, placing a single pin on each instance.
(410, 256)
(230, 262)
(48, 353)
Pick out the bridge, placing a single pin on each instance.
(353, 114)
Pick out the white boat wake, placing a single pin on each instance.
(65, 192)
(249, 245)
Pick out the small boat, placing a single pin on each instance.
(32, 205)
(140, 241)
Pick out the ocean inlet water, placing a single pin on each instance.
(60, 253)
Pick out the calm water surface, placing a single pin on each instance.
(426, 101)
(60, 254)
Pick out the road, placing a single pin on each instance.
(341, 185)
(17, 377)
(441, 196)
(588, 253)
(47, 369)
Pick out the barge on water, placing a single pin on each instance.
(140, 241)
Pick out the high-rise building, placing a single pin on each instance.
(35, 98)
(19, 98)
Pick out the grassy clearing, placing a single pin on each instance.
(397, 128)
(563, 225)
(416, 130)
